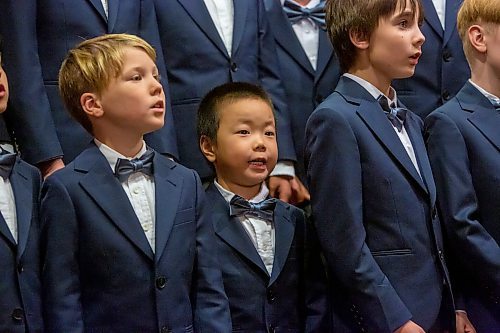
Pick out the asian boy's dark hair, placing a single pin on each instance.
(207, 122)
(360, 17)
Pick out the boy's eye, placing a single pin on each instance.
(270, 133)
(136, 77)
(403, 24)
(245, 132)
(157, 77)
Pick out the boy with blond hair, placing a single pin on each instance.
(127, 245)
(373, 194)
(463, 141)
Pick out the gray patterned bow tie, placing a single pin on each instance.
(396, 116)
(7, 161)
(296, 13)
(263, 210)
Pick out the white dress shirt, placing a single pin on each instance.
(140, 190)
(308, 34)
(261, 232)
(403, 135)
(440, 6)
(8, 206)
(105, 5)
(222, 14)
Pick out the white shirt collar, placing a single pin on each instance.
(228, 195)
(112, 155)
(374, 91)
(311, 4)
(489, 96)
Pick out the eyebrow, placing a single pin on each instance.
(407, 13)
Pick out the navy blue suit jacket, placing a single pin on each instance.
(38, 35)
(442, 69)
(100, 273)
(293, 297)
(463, 140)
(375, 216)
(198, 61)
(20, 305)
(305, 87)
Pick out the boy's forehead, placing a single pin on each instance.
(245, 109)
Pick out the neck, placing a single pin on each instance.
(366, 73)
(486, 77)
(302, 2)
(246, 192)
(126, 144)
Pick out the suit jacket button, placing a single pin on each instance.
(271, 329)
(234, 67)
(446, 95)
(18, 315)
(270, 296)
(319, 98)
(434, 213)
(20, 268)
(165, 329)
(446, 55)
(161, 282)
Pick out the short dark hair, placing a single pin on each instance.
(362, 17)
(207, 122)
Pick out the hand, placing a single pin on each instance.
(280, 187)
(49, 167)
(299, 191)
(410, 327)
(463, 323)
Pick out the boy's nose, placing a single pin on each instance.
(420, 38)
(259, 144)
(156, 87)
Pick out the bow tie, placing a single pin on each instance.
(263, 210)
(296, 13)
(124, 167)
(396, 116)
(496, 103)
(7, 161)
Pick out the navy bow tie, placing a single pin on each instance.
(396, 116)
(296, 13)
(263, 210)
(124, 167)
(7, 161)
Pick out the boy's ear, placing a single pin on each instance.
(207, 148)
(91, 105)
(359, 39)
(476, 34)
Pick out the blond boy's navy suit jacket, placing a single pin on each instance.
(375, 215)
(305, 87)
(463, 140)
(197, 61)
(292, 298)
(442, 69)
(21, 304)
(38, 35)
(100, 273)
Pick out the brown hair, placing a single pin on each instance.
(362, 17)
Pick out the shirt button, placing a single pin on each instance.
(136, 190)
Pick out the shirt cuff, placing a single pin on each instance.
(284, 168)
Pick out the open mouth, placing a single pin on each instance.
(2, 90)
(258, 162)
(158, 105)
(416, 56)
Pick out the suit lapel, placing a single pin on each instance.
(200, 15)
(108, 194)
(285, 36)
(239, 22)
(325, 54)
(113, 7)
(483, 115)
(372, 114)
(5, 231)
(230, 230)
(450, 19)
(415, 134)
(97, 4)
(167, 194)
(22, 188)
(284, 234)
(431, 17)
